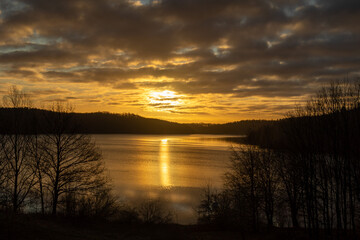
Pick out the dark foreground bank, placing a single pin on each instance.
(46, 227)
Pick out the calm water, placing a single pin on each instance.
(174, 168)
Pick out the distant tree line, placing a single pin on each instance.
(301, 171)
(111, 123)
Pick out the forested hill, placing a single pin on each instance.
(103, 122)
(339, 126)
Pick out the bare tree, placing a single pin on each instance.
(217, 208)
(268, 183)
(243, 180)
(290, 175)
(16, 98)
(324, 135)
(153, 211)
(19, 175)
(36, 156)
(73, 163)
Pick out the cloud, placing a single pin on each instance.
(241, 49)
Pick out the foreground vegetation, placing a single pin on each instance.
(302, 171)
(40, 227)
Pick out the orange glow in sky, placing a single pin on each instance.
(177, 60)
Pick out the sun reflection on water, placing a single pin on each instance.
(164, 163)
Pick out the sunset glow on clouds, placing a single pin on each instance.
(180, 60)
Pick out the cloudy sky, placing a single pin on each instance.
(179, 60)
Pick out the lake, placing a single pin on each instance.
(173, 168)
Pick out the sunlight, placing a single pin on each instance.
(166, 94)
(164, 163)
(164, 100)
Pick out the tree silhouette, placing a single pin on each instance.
(72, 161)
(18, 178)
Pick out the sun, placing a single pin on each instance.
(164, 100)
(163, 95)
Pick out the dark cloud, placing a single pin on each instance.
(40, 57)
(245, 48)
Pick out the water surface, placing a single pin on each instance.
(174, 168)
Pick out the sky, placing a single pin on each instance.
(179, 60)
